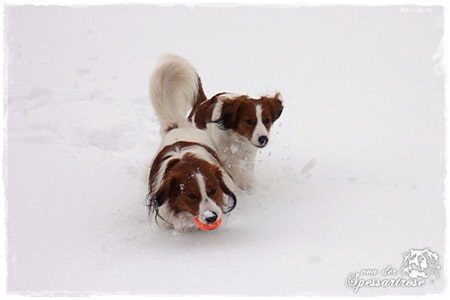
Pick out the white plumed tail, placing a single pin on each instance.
(173, 90)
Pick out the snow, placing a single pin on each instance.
(208, 214)
(352, 178)
(234, 148)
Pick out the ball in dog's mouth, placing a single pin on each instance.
(207, 226)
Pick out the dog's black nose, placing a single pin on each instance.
(263, 140)
(211, 218)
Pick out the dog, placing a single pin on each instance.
(186, 179)
(420, 263)
(238, 124)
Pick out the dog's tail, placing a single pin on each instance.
(174, 89)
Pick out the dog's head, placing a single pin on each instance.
(420, 263)
(250, 118)
(195, 187)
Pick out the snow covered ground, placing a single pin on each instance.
(352, 178)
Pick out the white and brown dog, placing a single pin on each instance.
(238, 124)
(186, 179)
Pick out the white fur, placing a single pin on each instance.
(181, 222)
(173, 88)
(260, 129)
(217, 110)
(237, 154)
(207, 204)
(188, 134)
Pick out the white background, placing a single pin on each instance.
(353, 176)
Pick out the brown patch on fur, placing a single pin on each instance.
(202, 113)
(200, 93)
(273, 106)
(236, 112)
(201, 98)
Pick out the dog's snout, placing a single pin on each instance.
(211, 217)
(263, 140)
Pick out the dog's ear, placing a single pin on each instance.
(202, 113)
(277, 106)
(226, 190)
(230, 114)
(405, 261)
(167, 191)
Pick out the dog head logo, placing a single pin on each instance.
(420, 263)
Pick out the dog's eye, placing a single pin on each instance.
(250, 122)
(192, 196)
(266, 121)
(212, 192)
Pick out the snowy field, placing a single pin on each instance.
(352, 178)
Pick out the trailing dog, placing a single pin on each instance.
(188, 187)
(238, 124)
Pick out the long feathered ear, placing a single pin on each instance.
(155, 200)
(405, 262)
(432, 260)
(277, 104)
(229, 115)
(203, 113)
(166, 191)
(226, 190)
